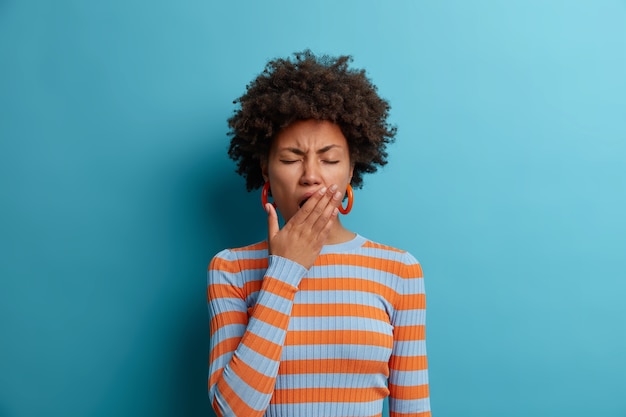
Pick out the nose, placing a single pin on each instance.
(311, 174)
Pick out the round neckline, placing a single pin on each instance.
(356, 242)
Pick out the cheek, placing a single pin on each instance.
(279, 176)
(345, 174)
(281, 184)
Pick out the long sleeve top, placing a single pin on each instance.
(334, 340)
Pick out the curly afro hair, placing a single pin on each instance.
(310, 87)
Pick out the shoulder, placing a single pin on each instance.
(235, 260)
(399, 261)
(390, 252)
(254, 250)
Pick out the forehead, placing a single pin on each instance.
(310, 135)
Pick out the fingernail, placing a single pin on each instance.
(333, 188)
(337, 195)
(322, 190)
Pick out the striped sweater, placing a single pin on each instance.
(331, 341)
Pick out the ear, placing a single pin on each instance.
(351, 173)
(264, 170)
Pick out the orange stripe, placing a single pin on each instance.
(215, 376)
(409, 393)
(262, 346)
(347, 284)
(254, 378)
(220, 264)
(339, 310)
(331, 395)
(252, 286)
(226, 318)
(225, 346)
(385, 265)
(215, 291)
(404, 333)
(420, 414)
(370, 244)
(333, 366)
(408, 363)
(411, 302)
(342, 337)
(278, 287)
(413, 271)
(364, 261)
(405, 302)
(235, 402)
(270, 316)
(218, 413)
(329, 284)
(255, 286)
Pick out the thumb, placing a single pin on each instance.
(272, 221)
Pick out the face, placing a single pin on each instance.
(304, 157)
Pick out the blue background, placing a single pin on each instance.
(507, 181)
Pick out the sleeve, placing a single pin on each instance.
(408, 370)
(245, 352)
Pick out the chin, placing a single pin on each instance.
(286, 215)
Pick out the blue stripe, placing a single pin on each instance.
(259, 362)
(408, 378)
(246, 392)
(266, 331)
(342, 296)
(331, 381)
(227, 332)
(368, 409)
(409, 406)
(410, 348)
(340, 323)
(335, 352)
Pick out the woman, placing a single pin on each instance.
(317, 320)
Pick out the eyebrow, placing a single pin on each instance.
(298, 151)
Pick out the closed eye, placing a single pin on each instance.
(288, 161)
(331, 162)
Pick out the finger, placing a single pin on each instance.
(307, 208)
(272, 221)
(325, 206)
(323, 221)
(323, 234)
(321, 204)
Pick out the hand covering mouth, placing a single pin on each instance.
(303, 201)
(305, 197)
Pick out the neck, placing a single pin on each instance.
(339, 234)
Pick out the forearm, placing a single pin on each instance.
(245, 356)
